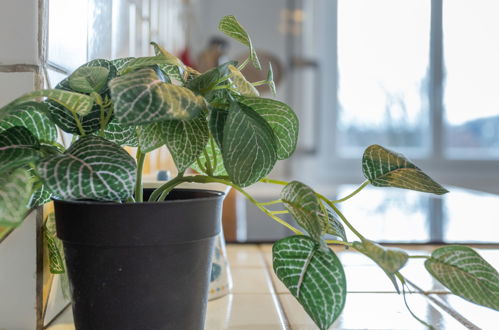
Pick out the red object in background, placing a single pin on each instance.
(185, 57)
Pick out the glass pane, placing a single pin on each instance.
(383, 51)
(387, 215)
(67, 36)
(471, 54)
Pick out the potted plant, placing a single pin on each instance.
(139, 259)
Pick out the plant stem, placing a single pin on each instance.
(205, 179)
(279, 212)
(243, 65)
(209, 169)
(331, 241)
(425, 257)
(282, 183)
(362, 186)
(138, 183)
(260, 83)
(102, 120)
(277, 201)
(213, 150)
(328, 202)
(78, 123)
(108, 116)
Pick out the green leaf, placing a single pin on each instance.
(121, 63)
(54, 246)
(186, 140)
(203, 83)
(31, 115)
(281, 119)
(89, 79)
(121, 134)
(212, 154)
(270, 80)
(40, 196)
(334, 226)
(75, 102)
(15, 192)
(385, 168)
(92, 168)
(466, 274)
(175, 61)
(249, 146)
(18, 147)
(145, 62)
(141, 98)
(231, 27)
(315, 277)
(217, 123)
(151, 136)
(390, 260)
(300, 200)
(242, 85)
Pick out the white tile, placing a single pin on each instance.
(15, 84)
(244, 311)
(19, 32)
(374, 311)
(251, 280)
(244, 255)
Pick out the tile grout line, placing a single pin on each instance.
(13, 68)
(275, 295)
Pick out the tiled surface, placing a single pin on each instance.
(259, 301)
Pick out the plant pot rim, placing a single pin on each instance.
(211, 195)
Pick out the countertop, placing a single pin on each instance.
(259, 301)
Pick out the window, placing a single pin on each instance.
(417, 76)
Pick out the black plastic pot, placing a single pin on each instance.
(140, 265)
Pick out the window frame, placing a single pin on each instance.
(480, 174)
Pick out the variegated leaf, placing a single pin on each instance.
(144, 62)
(217, 123)
(174, 60)
(270, 80)
(242, 85)
(121, 134)
(466, 274)
(314, 276)
(390, 260)
(186, 140)
(300, 200)
(151, 136)
(216, 160)
(92, 168)
(334, 226)
(231, 27)
(89, 79)
(249, 146)
(18, 147)
(141, 98)
(281, 118)
(80, 104)
(385, 168)
(120, 63)
(54, 246)
(203, 83)
(31, 115)
(40, 196)
(15, 192)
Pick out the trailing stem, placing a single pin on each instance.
(355, 192)
(138, 183)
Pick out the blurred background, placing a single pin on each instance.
(420, 77)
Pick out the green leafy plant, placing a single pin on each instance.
(216, 123)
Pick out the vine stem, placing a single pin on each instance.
(355, 192)
(205, 179)
(138, 183)
(78, 123)
(332, 241)
(277, 201)
(243, 65)
(425, 257)
(328, 202)
(345, 221)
